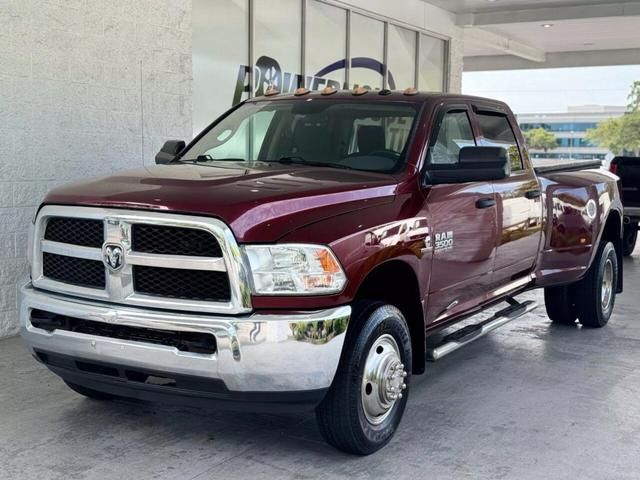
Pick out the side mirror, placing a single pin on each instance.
(475, 164)
(169, 151)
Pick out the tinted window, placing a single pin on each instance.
(496, 131)
(359, 135)
(454, 133)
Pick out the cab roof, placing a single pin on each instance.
(379, 95)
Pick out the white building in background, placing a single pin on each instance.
(570, 129)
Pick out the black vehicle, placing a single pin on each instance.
(628, 169)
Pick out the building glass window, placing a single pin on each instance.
(221, 75)
(401, 60)
(223, 72)
(497, 131)
(561, 126)
(367, 51)
(431, 68)
(277, 47)
(326, 44)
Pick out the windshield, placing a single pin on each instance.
(340, 134)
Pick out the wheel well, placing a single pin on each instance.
(395, 283)
(612, 232)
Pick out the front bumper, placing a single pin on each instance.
(261, 356)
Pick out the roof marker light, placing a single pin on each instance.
(411, 91)
(328, 91)
(301, 91)
(271, 91)
(360, 91)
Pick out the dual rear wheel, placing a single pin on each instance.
(590, 300)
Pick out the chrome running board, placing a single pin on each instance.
(468, 334)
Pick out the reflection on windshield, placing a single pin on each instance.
(317, 132)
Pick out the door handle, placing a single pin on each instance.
(531, 194)
(485, 203)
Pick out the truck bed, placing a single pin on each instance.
(553, 166)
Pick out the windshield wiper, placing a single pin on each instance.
(296, 160)
(209, 158)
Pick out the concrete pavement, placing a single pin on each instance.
(529, 401)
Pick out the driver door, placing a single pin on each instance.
(462, 222)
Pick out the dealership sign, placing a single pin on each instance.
(267, 72)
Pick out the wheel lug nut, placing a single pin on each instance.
(399, 395)
(404, 385)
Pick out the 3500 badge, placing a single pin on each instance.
(443, 241)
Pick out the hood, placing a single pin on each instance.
(260, 204)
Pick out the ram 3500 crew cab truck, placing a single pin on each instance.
(300, 250)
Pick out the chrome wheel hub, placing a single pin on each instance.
(383, 379)
(606, 291)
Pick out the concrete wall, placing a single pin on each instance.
(71, 73)
(70, 102)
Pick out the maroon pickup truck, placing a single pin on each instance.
(300, 250)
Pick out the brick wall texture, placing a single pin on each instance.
(71, 77)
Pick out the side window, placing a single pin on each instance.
(455, 132)
(497, 132)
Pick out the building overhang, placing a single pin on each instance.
(504, 35)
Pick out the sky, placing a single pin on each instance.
(553, 90)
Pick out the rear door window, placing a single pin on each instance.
(496, 131)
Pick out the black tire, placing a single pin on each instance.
(560, 303)
(89, 393)
(629, 237)
(592, 312)
(341, 416)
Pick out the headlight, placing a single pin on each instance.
(294, 269)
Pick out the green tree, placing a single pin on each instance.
(634, 97)
(540, 139)
(621, 134)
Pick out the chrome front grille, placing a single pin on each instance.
(180, 283)
(161, 260)
(76, 231)
(76, 271)
(173, 241)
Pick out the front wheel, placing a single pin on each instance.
(367, 398)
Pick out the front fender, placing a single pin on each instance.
(362, 241)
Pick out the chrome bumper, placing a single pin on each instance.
(296, 351)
